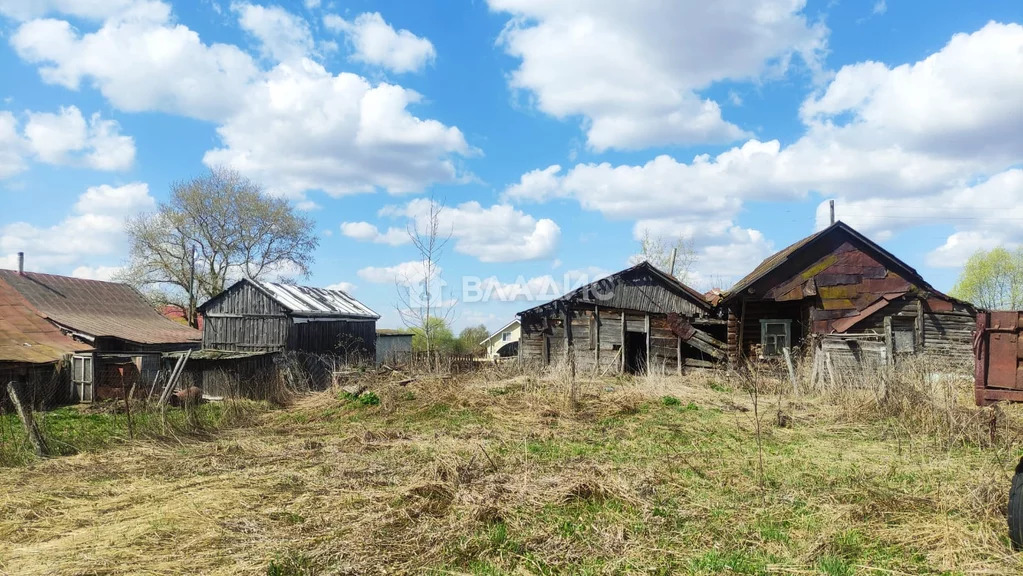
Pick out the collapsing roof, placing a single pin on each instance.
(306, 300)
(641, 276)
(26, 337)
(97, 309)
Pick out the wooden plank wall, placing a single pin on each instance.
(323, 336)
(949, 334)
(245, 319)
(947, 328)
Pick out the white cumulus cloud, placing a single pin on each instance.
(93, 230)
(67, 137)
(376, 42)
(500, 233)
(367, 232)
(634, 71)
(282, 35)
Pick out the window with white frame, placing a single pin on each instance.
(774, 336)
(81, 376)
(506, 336)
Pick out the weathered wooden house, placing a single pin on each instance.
(840, 284)
(637, 320)
(34, 352)
(253, 315)
(127, 335)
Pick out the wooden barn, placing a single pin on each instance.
(126, 334)
(841, 286)
(253, 315)
(639, 320)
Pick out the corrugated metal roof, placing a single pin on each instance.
(98, 309)
(318, 301)
(27, 337)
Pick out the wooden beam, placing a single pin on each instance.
(889, 341)
(706, 348)
(646, 327)
(596, 336)
(25, 413)
(919, 332)
(792, 370)
(699, 363)
(624, 351)
(678, 355)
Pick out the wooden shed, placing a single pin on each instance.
(839, 283)
(638, 320)
(254, 315)
(126, 334)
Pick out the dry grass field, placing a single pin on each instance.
(508, 475)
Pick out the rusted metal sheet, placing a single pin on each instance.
(680, 326)
(998, 348)
(1002, 362)
(834, 279)
(939, 305)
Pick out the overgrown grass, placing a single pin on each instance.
(84, 428)
(650, 476)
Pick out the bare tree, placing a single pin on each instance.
(215, 227)
(664, 253)
(420, 300)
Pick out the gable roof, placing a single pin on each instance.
(27, 337)
(600, 285)
(305, 300)
(501, 331)
(98, 309)
(776, 260)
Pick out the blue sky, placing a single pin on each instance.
(556, 133)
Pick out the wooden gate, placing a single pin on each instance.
(998, 350)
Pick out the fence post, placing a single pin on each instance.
(25, 413)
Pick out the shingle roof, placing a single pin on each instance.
(98, 309)
(304, 300)
(27, 337)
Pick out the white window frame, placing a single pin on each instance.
(83, 377)
(506, 336)
(764, 323)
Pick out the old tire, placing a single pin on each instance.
(1016, 508)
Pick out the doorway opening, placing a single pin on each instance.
(635, 352)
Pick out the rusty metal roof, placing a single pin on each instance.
(27, 337)
(777, 259)
(98, 309)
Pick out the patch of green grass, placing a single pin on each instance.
(291, 564)
(718, 387)
(85, 428)
(834, 566)
(670, 401)
(363, 399)
(735, 562)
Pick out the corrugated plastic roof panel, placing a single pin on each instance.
(319, 301)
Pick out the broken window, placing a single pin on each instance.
(774, 336)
